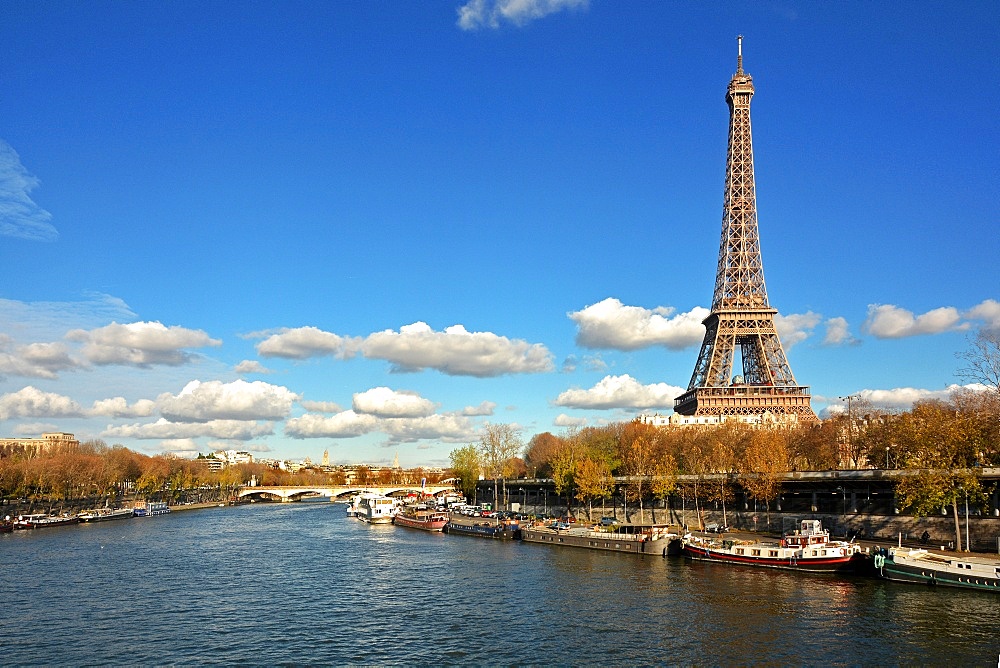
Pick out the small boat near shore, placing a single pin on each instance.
(807, 549)
(43, 521)
(6, 525)
(921, 566)
(414, 518)
(105, 514)
(149, 508)
(656, 539)
(501, 529)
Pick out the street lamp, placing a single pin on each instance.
(843, 493)
(850, 423)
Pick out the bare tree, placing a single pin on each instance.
(499, 445)
(983, 359)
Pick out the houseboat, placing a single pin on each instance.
(104, 514)
(809, 548)
(42, 521)
(656, 539)
(421, 518)
(483, 527)
(150, 508)
(931, 568)
(376, 508)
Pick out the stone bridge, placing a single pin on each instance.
(335, 492)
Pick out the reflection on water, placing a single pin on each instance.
(302, 583)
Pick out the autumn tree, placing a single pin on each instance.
(466, 466)
(593, 481)
(764, 465)
(942, 447)
(499, 444)
(538, 455)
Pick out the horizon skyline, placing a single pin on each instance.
(294, 228)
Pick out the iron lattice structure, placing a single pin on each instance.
(741, 317)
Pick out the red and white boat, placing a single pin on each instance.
(807, 549)
(41, 521)
(428, 520)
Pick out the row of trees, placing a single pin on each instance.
(97, 470)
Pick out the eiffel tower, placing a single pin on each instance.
(741, 318)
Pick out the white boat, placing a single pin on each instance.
(376, 508)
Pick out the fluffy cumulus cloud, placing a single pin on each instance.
(321, 406)
(483, 409)
(387, 403)
(838, 333)
(35, 360)
(886, 321)
(250, 366)
(450, 428)
(234, 430)
(903, 397)
(141, 344)
(795, 327)
(305, 342)
(118, 407)
(611, 324)
(988, 313)
(34, 403)
(342, 425)
(621, 392)
(563, 420)
(476, 14)
(238, 400)
(456, 351)
(20, 217)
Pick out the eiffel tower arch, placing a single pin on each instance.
(741, 320)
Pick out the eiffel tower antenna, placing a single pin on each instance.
(741, 319)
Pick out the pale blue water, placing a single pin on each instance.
(301, 584)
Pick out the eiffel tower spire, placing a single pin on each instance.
(741, 319)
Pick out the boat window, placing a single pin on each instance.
(739, 550)
(773, 553)
(755, 553)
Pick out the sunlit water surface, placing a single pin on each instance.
(293, 584)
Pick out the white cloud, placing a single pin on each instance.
(237, 430)
(621, 392)
(35, 360)
(305, 342)
(48, 321)
(476, 14)
(456, 351)
(450, 428)
(186, 448)
(20, 217)
(342, 425)
(388, 403)
(838, 333)
(238, 400)
(32, 402)
(903, 397)
(118, 407)
(250, 366)
(988, 312)
(886, 321)
(563, 420)
(485, 408)
(795, 327)
(321, 406)
(611, 324)
(140, 344)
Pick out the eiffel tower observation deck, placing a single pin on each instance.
(741, 320)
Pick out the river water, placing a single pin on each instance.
(294, 584)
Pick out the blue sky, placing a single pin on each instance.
(371, 227)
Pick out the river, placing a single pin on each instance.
(293, 584)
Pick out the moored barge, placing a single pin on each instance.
(807, 549)
(930, 568)
(428, 520)
(655, 539)
(501, 529)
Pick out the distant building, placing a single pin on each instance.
(766, 419)
(35, 447)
